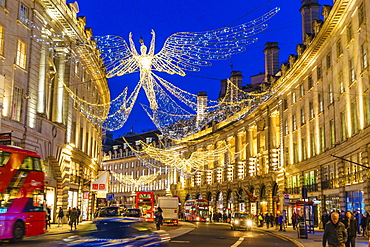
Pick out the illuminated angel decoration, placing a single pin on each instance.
(182, 51)
(128, 180)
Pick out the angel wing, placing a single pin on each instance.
(188, 50)
(117, 56)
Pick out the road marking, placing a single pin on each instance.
(237, 243)
(180, 242)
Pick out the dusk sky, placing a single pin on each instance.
(120, 17)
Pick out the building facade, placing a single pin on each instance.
(47, 57)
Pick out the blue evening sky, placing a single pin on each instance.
(120, 17)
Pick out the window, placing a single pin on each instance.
(17, 104)
(367, 107)
(363, 56)
(349, 32)
(294, 122)
(343, 127)
(352, 76)
(295, 153)
(354, 118)
(23, 14)
(332, 132)
(285, 104)
(286, 132)
(328, 61)
(21, 54)
(2, 3)
(331, 96)
(1, 40)
(294, 99)
(339, 48)
(76, 68)
(321, 102)
(310, 82)
(361, 15)
(304, 149)
(313, 146)
(303, 119)
(341, 83)
(319, 72)
(301, 90)
(322, 139)
(312, 113)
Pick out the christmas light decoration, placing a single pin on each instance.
(182, 51)
(128, 180)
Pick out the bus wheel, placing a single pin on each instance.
(18, 232)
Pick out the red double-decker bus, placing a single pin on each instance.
(22, 182)
(145, 202)
(196, 210)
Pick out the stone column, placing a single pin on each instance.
(58, 93)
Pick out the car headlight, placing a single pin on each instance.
(249, 223)
(198, 218)
(236, 221)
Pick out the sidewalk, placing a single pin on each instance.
(313, 240)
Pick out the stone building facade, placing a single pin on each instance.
(44, 47)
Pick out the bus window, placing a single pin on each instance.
(27, 164)
(37, 164)
(4, 157)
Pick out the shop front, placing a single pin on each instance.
(355, 201)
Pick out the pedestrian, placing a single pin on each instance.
(73, 218)
(364, 224)
(350, 223)
(267, 220)
(324, 219)
(280, 222)
(294, 221)
(78, 215)
(60, 216)
(260, 220)
(69, 214)
(48, 217)
(335, 232)
(158, 218)
(276, 221)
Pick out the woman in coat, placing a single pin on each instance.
(350, 223)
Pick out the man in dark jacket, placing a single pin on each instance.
(335, 232)
(350, 223)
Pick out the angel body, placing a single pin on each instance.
(182, 51)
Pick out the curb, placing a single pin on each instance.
(283, 237)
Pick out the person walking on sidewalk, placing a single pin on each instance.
(73, 218)
(335, 232)
(351, 226)
(60, 216)
(294, 220)
(158, 218)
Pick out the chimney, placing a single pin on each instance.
(271, 59)
(310, 11)
(202, 99)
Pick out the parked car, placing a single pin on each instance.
(110, 212)
(133, 212)
(241, 221)
(114, 232)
